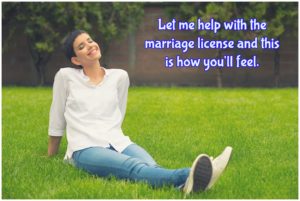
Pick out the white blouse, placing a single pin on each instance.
(91, 114)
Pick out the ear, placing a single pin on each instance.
(75, 61)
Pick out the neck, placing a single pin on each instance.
(93, 70)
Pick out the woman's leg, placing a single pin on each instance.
(105, 162)
(136, 151)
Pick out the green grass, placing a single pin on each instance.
(174, 125)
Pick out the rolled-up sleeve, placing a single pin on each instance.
(57, 122)
(123, 86)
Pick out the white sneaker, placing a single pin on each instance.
(219, 164)
(200, 174)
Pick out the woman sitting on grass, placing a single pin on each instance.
(90, 103)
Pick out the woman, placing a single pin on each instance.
(90, 103)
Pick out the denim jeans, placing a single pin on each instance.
(134, 164)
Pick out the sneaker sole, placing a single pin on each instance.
(202, 174)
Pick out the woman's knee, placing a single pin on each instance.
(140, 153)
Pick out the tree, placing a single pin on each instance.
(46, 24)
(282, 18)
(279, 16)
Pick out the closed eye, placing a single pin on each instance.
(81, 46)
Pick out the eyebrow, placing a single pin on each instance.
(89, 38)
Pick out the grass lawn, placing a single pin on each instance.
(174, 125)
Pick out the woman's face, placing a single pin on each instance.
(85, 49)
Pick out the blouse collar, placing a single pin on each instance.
(85, 77)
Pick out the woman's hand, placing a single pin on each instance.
(53, 145)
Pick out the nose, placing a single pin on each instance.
(89, 45)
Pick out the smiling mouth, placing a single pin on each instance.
(92, 52)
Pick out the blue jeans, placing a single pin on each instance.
(134, 164)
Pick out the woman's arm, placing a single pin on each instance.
(57, 122)
(123, 86)
(53, 145)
